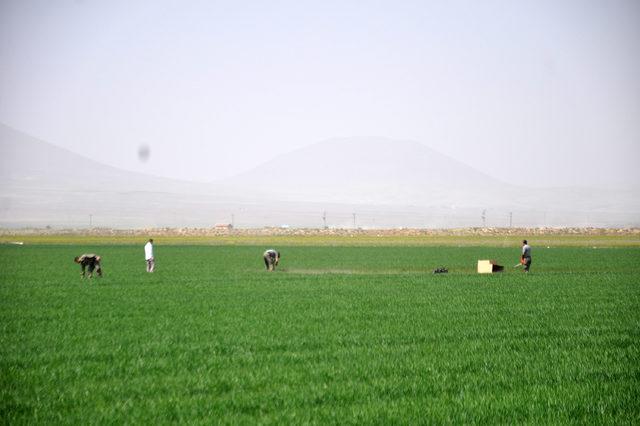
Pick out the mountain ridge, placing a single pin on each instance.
(388, 184)
(407, 158)
(371, 170)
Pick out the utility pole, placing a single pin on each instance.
(510, 219)
(484, 218)
(324, 219)
(354, 220)
(233, 220)
(90, 221)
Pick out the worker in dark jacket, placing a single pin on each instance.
(525, 257)
(89, 262)
(271, 259)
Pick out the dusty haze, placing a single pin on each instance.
(345, 183)
(534, 93)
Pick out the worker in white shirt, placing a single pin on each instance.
(148, 255)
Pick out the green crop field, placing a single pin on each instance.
(343, 335)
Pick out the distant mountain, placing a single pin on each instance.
(363, 182)
(408, 178)
(374, 170)
(41, 184)
(27, 161)
(369, 161)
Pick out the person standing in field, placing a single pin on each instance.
(91, 262)
(148, 255)
(525, 258)
(271, 259)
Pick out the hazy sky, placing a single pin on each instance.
(532, 92)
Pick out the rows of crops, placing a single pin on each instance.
(337, 334)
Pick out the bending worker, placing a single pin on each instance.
(90, 262)
(271, 259)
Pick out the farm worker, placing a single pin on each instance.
(90, 262)
(271, 259)
(525, 258)
(148, 255)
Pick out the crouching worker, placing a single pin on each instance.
(90, 262)
(271, 259)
